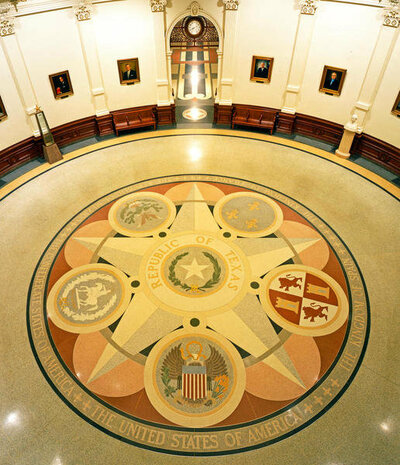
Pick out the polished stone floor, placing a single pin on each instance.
(306, 374)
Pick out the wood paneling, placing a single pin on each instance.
(105, 125)
(223, 114)
(285, 123)
(165, 115)
(319, 128)
(364, 145)
(74, 131)
(20, 153)
(377, 150)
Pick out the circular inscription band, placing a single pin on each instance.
(159, 310)
(195, 272)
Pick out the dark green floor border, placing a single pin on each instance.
(219, 453)
(207, 135)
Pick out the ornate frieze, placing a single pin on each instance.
(158, 5)
(308, 7)
(7, 19)
(194, 8)
(83, 10)
(391, 13)
(231, 4)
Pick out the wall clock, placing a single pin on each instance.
(194, 27)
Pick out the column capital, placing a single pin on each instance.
(7, 20)
(231, 4)
(158, 5)
(391, 13)
(308, 7)
(83, 10)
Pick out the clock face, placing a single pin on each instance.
(194, 27)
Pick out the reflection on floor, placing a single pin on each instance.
(163, 297)
(207, 123)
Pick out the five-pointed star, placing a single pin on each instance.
(144, 322)
(194, 269)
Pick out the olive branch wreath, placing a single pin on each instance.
(215, 278)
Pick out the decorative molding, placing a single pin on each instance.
(194, 8)
(231, 4)
(83, 10)
(158, 5)
(391, 13)
(308, 7)
(7, 20)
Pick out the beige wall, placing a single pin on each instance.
(15, 127)
(269, 34)
(381, 122)
(124, 30)
(343, 35)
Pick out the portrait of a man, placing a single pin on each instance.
(332, 80)
(61, 84)
(128, 71)
(261, 69)
(396, 106)
(3, 113)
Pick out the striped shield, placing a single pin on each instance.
(194, 382)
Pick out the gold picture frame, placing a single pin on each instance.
(61, 84)
(332, 80)
(261, 69)
(396, 106)
(3, 112)
(128, 71)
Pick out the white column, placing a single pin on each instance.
(169, 73)
(301, 49)
(379, 60)
(228, 62)
(87, 36)
(17, 66)
(162, 78)
(219, 75)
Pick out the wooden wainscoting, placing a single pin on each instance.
(76, 130)
(19, 153)
(65, 134)
(318, 128)
(364, 145)
(378, 151)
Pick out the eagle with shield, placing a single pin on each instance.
(191, 377)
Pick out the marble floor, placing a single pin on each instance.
(199, 296)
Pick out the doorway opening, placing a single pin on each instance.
(194, 42)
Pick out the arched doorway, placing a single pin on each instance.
(193, 42)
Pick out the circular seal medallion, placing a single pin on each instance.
(304, 300)
(198, 315)
(194, 378)
(195, 272)
(141, 214)
(88, 298)
(248, 214)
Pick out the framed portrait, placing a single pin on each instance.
(3, 113)
(332, 80)
(261, 69)
(61, 84)
(128, 71)
(395, 109)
